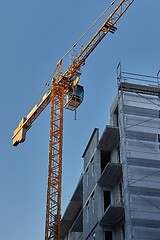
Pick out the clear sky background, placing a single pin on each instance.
(34, 35)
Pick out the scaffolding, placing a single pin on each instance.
(139, 125)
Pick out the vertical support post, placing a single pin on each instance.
(53, 208)
(119, 73)
(158, 82)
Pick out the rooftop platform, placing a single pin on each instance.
(140, 88)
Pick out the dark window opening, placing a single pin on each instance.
(87, 211)
(121, 192)
(107, 199)
(92, 166)
(116, 116)
(105, 158)
(123, 231)
(87, 176)
(118, 154)
(108, 235)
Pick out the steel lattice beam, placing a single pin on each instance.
(53, 209)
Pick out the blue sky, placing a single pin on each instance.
(34, 36)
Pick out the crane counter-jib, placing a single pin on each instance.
(19, 135)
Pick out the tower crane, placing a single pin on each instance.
(65, 93)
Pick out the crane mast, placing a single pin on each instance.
(53, 207)
(62, 86)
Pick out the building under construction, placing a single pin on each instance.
(118, 194)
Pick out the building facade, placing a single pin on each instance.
(118, 195)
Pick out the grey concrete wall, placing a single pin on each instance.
(91, 146)
(73, 236)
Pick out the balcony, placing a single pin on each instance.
(77, 226)
(109, 139)
(113, 215)
(110, 175)
(72, 219)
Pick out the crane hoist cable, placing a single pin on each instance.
(47, 84)
(45, 88)
(93, 24)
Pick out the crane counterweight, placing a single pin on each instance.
(19, 133)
